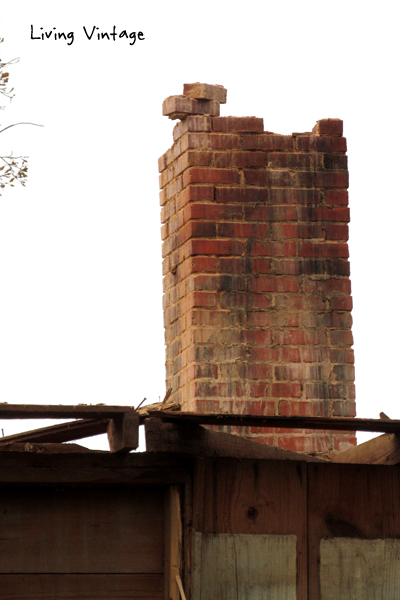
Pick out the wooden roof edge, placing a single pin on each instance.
(286, 422)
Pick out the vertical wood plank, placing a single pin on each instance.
(173, 540)
(350, 501)
(123, 433)
(245, 566)
(254, 496)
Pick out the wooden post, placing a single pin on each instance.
(173, 543)
(123, 432)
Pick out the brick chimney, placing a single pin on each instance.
(256, 273)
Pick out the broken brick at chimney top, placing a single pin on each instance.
(257, 304)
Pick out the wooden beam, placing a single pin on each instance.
(48, 448)
(49, 411)
(123, 433)
(196, 440)
(102, 468)
(383, 450)
(320, 423)
(59, 433)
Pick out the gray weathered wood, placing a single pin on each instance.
(382, 450)
(365, 569)
(245, 566)
(123, 432)
(173, 543)
(81, 587)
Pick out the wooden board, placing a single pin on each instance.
(173, 542)
(47, 530)
(81, 587)
(367, 569)
(245, 566)
(254, 497)
(66, 432)
(94, 468)
(382, 450)
(350, 501)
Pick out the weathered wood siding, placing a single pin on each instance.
(247, 566)
(81, 543)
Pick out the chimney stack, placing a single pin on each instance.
(256, 273)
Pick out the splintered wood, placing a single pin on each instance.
(254, 567)
(367, 569)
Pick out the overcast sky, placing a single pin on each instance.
(80, 247)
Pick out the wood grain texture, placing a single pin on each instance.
(254, 497)
(95, 468)
(81, 530)
(350, 501)
(292, 422)
(123, 432)
(61, 411)
(81, 587)
(60, 433)
(383, 450)
(367, 569)
(196, 439)
(173, 543)
(245, 566)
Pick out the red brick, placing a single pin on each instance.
(302, 443)
(329, 127)
(269, 178)
(214, 141)
(324, 250)
(243, 230)
(300, 337)
(321, 144)
(205, 91)
(238, 124)
(195, 193)
(298, 408)
(260, 265)
(193, 123)
(255, 371)
(249, 159)
(271, 248)
(198, 175)
(270, 213)
(213, 212)
(341, 355)
(274, 284)
(341, 303)
(265, 355)
(280, 160)
(257, 336)
(337, 197)
(267, 141)
(318, 213)
(336, 232)
(178, 107)
(218, 247)
(326, 179)
(229, 194)
(286, 390)
(341, 337)
(295, 230)
(295, 196)
(195, 229)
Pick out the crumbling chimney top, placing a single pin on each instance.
(197, 99)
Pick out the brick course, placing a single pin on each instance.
(256, 274)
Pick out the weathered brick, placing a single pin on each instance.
(238, 124)
(178, 107)
(205, 91)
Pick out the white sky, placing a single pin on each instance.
(80, 247)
